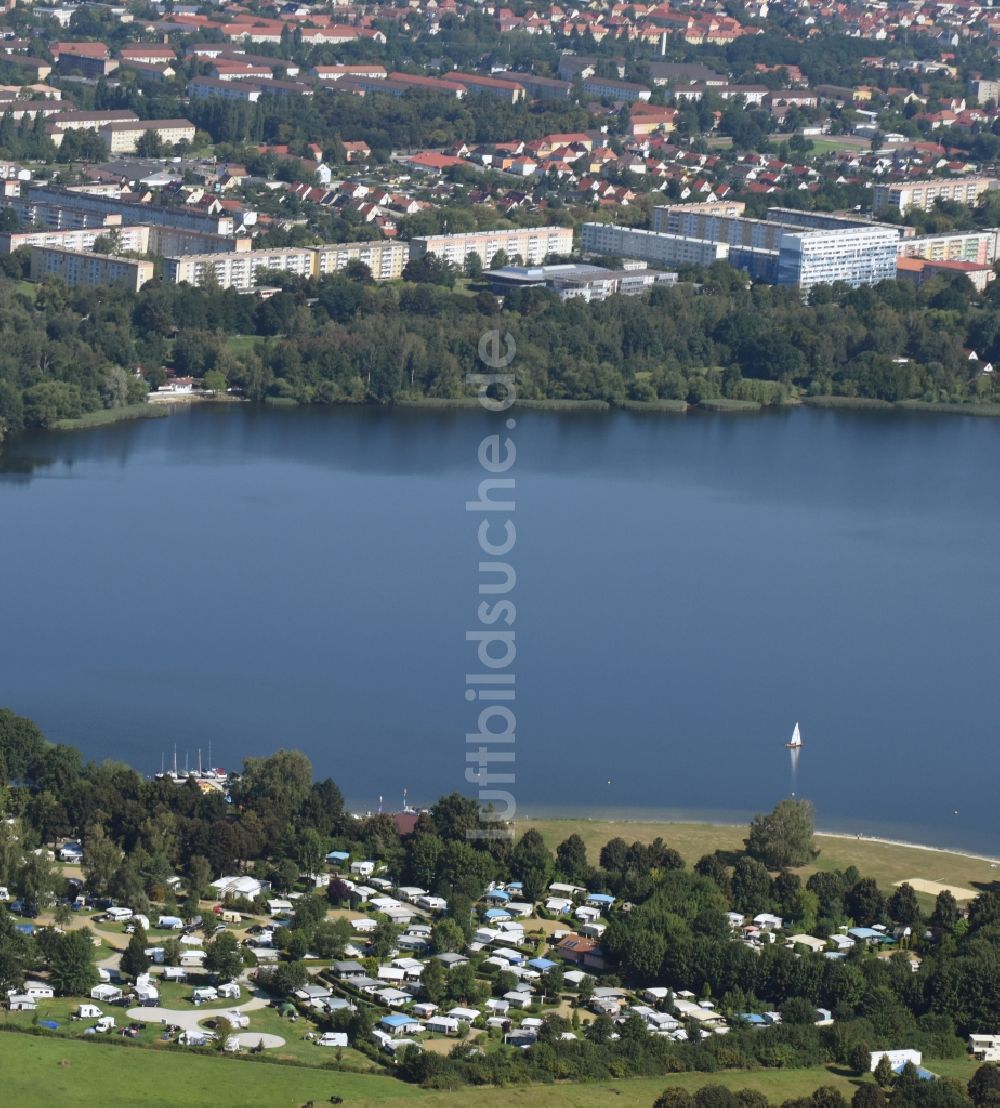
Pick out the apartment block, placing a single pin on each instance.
(531, 244)
(238, 271)
(133, 240)
(979, 247)
(828, 221)
(477, 85)
(857, 256)
(203, 88)
(385, 258)
(49, 201)
(77, 267)
(922, 195)
(613, 89)
(540, 88)
(89, 121)
(985, 91)
(712, 223)
(655, 247)
(123, 138)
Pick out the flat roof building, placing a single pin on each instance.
(531, 244)
(79, 268)
(857, 256)
(123, 138)
(238, 271)
(586, 282)
(386, 258)
(655, 247)
(922, 195)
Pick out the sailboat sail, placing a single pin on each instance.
(796, 738)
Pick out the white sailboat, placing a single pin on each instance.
(796, 740)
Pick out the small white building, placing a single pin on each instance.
(442, 1025)
(985, 1048)
(808, 941)
(897, 1058)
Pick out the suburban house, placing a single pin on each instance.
(397, 1024)
(581, 951)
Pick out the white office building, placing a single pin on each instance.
(859, 256)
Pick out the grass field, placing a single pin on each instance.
(42, 1071)
(886, 862)
(242, 344)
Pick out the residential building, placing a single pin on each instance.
(386, 258)
(238, 270)
(123, 138)
(923, 194)
(477, 85)
(985, 1048)
(132, 240)
(952, 246)
(201, 88)
(77, 267)
(918, 271)
(613, 89)
(44, 206)
(655, 247)
(64, 120)
(531, 244)
(540, 88)
(985, 91)
(857, 256)
(336, 72)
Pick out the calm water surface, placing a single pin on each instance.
(687, 588)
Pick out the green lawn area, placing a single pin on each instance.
(242, 344)
(886, 862)
(44, 1071)
(844, 142)
(41, 1070)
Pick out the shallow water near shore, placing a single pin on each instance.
(687, 588)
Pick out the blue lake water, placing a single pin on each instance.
(687, 588)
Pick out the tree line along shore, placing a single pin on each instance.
(710, 342)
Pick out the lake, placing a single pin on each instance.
(687, 588)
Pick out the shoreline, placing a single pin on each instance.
(162, 404)
(842, 836)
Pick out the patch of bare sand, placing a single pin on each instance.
(932, 888)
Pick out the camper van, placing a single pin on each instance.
(231, 917)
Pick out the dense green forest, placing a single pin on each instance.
(70, 351)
